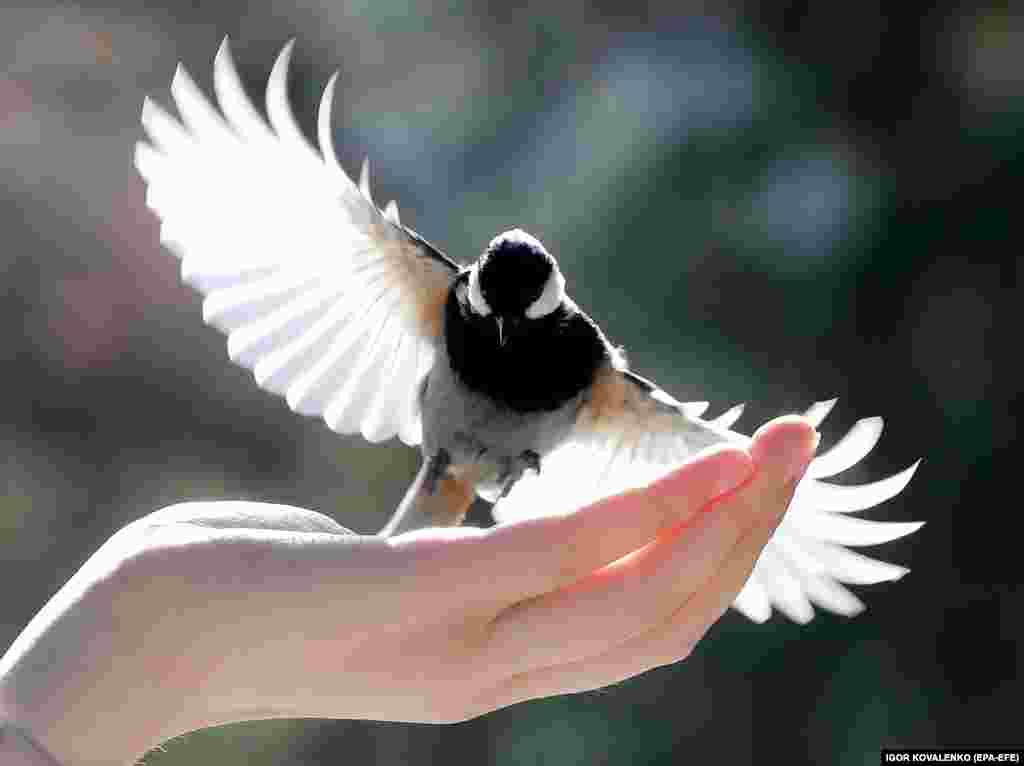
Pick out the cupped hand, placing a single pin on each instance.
(206, 613)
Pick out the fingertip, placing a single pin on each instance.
(786, 432)
(788, 422)
(790, 441)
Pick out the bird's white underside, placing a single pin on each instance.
(318, 290)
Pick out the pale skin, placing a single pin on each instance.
(207, 613)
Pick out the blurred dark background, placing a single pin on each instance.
(766, 202)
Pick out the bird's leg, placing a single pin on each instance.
(437, 469)
(440, 496)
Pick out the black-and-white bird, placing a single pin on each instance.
(511, 390)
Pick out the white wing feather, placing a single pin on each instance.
(806, 562)
(329, 301)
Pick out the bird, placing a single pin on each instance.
(508, 388)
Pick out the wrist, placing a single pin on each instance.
(76, 680)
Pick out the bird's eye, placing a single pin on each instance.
(550, 298)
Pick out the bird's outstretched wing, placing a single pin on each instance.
(330, 301)
(630, 433)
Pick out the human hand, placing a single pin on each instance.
(206, 613)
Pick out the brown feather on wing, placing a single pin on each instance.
(635, 416)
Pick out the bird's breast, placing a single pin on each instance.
(474, 427)
(542, 366)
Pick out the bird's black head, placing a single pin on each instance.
(516, 279)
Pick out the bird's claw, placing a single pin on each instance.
(532, 460)
(514, 470)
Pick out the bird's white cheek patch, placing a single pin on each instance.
(476, 297)
(554, 291)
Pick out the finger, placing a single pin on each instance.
(668, 643)
(646, 588)
(540, 555)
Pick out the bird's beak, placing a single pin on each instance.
(501, 331)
